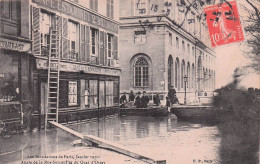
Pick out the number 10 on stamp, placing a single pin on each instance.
(224, 23)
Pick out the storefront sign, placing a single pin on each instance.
(71, 67)
(14, 45)
(79, 13)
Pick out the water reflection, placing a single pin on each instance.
(163, 135)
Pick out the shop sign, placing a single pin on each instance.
(78, 13)
(14, 45)
(71, 67)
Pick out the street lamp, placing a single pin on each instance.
(185, 85)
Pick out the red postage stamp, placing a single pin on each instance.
(224, 23)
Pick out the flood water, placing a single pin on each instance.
(160, 137)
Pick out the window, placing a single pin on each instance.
(188, 47)
(93, 90)
(45, 24)
(140, 7)
(182, 73)
(110, 8)
(72, 93)
(177, 42)
(170, 39)
(9, 9)
(183, 46)
(94, 45)
(86, 94)
(109, 93)
(93, 5)
(193, 51)
(73, 40)
(141, 73)
(109, 49)
(9, 90)
(140, 36)
(72, 35)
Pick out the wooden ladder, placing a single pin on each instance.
(51, 114)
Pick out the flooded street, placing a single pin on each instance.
(161, 137)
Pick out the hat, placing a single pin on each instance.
(144, 92)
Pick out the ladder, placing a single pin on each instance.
(52, 111)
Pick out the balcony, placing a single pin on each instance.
(94, 60)
(73, 56)
(45, 50)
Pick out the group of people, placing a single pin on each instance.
(139, 101)
(142, 101)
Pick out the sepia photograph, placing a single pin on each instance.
(129, 81)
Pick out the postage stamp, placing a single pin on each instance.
(224, 23)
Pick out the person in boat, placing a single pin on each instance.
(123, 101)
(156, 100)
(145, 100)
(175, 100)
(131, 96)
(171, 94)
(138, 102)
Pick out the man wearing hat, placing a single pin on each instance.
(138, 102)
(145, 100)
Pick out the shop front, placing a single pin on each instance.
(14, 82)
(85, 91)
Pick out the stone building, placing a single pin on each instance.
(160, 43)
(88, 57)
(60, 57)
(15, 58)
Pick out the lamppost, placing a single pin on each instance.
(185, 85)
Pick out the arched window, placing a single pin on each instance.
(193, 77)
(170, 68)
(189, 75)
(177, 75)
(182, 73)
(141, 72)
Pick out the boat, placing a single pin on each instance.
(149, 111)
(194, 113)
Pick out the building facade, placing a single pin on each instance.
(161, 42)
(15, 58)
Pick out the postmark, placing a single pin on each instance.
(224, 23)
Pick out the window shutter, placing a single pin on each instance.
(115, 47)
(96, 5)
(59, 27)
(82, 43)
(65, 40)
(87, 39)
(101, 48)
(91, 4)
(105, 48)
(36, 31)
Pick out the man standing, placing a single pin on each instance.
(138, 102)
(145, 100)
(131, 96)
(156, 100)
(171, 94)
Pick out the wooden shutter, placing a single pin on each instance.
(87, 54)
(105, 48)
(36, 31)
(65, 40)
(82, 43)
(101, 48)
(59, 27)
(115, 47)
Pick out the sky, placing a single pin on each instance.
(229, 57)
